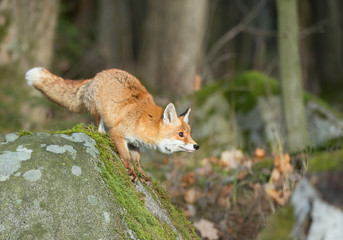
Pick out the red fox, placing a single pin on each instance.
(117, 100)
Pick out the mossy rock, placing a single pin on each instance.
(242, 90)
(72, 185)
(279, 225)
(326, 162)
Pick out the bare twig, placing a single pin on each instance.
(315, 28)
(221, 59)
(237, 29)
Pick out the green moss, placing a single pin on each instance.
(24, 133)
(262, 169)
(266, 163)
(205, 92)
(279, 225)
(309, 97)
(183, 226)
(243, 90)
(326, 161)
(139, 219)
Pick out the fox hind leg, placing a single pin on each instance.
(99, 122)
(101, 126)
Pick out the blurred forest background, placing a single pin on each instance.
(219, 56)
(174, 47)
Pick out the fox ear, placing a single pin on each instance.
(169, 115)
(185, 115)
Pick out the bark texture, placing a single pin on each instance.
(26, 40)
(27, 29)
(115, 38)
(291, 77)
(172, 48)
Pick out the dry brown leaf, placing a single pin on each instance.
(191, 195)
(283, 163)
(213, 160)
(224, 200)
(275, 176)
(230, 159)
(206, 170)
(188, 179)
(206, 229)
(241, 175)
(279, 196)
(260, 153)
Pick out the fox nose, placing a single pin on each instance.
(196, 146)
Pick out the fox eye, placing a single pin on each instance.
(181, 134)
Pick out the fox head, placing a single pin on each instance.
(176, 132)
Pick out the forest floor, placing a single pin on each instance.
(230, 197)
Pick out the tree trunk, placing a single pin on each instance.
(115, 34)
(172, 48)
(26, 41)
(291, 79)
(27, 32)
(329, 46)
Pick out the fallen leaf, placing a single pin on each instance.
(204, 171)
(283, 163)
(275, 176)
(241, 175)
(213, 160)
(230, 159)
(188, 179)
(279, 196)
(206, 229)
(260, 153)
(191, 195)
(224, 200)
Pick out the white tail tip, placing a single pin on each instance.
(33, 75)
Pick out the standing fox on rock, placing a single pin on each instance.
(118, 100)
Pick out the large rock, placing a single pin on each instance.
(70, 186)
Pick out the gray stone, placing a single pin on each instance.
(52, 188)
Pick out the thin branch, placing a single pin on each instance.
(221, 59)
(315, 28)
(237, 29)
(260, 32)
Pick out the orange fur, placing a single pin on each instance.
(126, 108)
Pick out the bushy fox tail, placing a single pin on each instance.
(67, 93)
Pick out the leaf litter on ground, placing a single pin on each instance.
(233, 194)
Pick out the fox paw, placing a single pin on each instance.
(146, 180)
(132, 175)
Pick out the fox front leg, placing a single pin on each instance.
(124, 154)
(137, 158)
